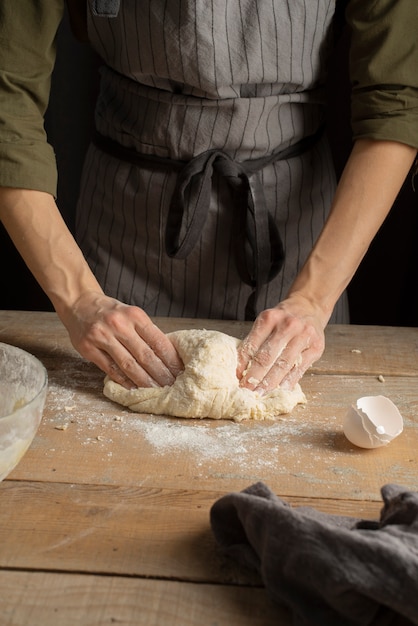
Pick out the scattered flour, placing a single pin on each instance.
(252, 447)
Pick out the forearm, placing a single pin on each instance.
(47, 246)
(120, 339)
(372, 178)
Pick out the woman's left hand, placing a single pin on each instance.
(282, 344)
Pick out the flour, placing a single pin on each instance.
(246, 450)
(250, 443)
(206, 442)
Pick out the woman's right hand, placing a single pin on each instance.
(122, 341)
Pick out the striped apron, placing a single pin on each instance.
(209, 179)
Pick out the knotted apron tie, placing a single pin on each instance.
(258, 248)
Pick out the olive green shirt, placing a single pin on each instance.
(383, 72)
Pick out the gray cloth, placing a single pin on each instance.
(328, 570)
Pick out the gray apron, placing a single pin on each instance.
(198, 195)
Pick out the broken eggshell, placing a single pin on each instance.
(372, 422)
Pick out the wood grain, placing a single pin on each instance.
(349, 349)
(85, 438)
(135, 531)
(58, 599)
(106, 518)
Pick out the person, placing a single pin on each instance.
(208, 188)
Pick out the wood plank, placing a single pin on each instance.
(135, 531)
(300, 452)
(43, 599)
(103, 442)
(123, 496)
(372, 350)
(349, 349)
(41, 333)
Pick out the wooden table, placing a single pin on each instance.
(106, 518)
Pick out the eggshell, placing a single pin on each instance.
(372, 422)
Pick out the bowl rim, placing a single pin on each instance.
(42, 369)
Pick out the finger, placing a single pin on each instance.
(295, 374)
(129, 361)
(308, 356)
(162, 347)
(285, 373)
(299, 355)
(289, 358)
(135, 344)
(263, 345)
(250, 345)
(271, 352)
(138, 376)
(139, 347)
(139, 361)
(142, 379)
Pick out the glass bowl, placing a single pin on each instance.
(23, 388)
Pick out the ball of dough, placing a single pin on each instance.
(208, 387)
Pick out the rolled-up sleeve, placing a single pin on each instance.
(27, 55)
(384, 69)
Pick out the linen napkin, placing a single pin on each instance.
(328, 570)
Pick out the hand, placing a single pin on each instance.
(282, 344)
(122, 341)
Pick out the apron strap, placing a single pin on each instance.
(258, 248)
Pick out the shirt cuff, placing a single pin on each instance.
(386, 114)
(28, 166)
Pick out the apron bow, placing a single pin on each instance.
(258, 248)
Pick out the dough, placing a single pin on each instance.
(208, 387)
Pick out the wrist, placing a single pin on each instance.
(69, 297)
(302, 303)
(319, 286)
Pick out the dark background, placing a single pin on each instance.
(385, 288)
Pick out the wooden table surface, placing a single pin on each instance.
(106, 518)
